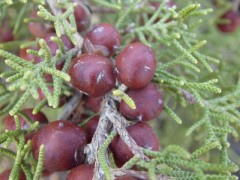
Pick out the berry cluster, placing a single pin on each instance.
(96, 73)
(93, 73)
(63, 141)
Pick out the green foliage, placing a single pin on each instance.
(60, 21)
(28, 76)
(39, 167)
(125, 97)
(102, 158)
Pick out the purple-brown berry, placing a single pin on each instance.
(6, 32)
(63, 142)
(93, 103)
(233, 19)
(92, 74)
(82, 172)
(91, 127)
(149, 103)
(38, 29)
(102, 40)
(9, 121)
(144, 136)
(136, 65)
(82, 16)
(5, 175)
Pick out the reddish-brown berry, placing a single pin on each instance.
(23, 54)
(29, 57)
(63, 142)
(93, 103)
(10, 123)
(5, 175)
(231, 26)
(92, 74)
(149, 103)
(37, 29)
(91, 127)
(54, 46)
(103, 40)
(82, 16)
(136, 65)
(82, 172)
(46, 173)
(6, 32)
(144, 136)
(29, 136)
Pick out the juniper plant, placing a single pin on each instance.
(201, 94)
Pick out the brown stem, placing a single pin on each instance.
(109, 118)
(235, 5)
(128, 29)
(70, 106)
(120, 123)
(102, 131)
